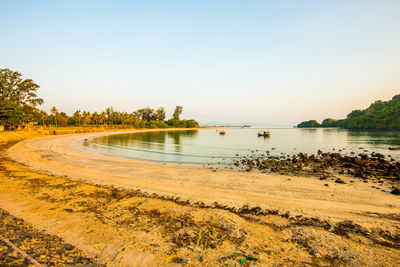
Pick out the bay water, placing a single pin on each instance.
(207, 147)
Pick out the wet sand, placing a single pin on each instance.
(165, 215)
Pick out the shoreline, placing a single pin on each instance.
(288, 210)
(61, 156)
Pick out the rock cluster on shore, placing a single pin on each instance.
(374, 167)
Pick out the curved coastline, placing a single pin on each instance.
(61, 155)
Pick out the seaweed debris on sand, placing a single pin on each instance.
(43, 248)
(128, 227)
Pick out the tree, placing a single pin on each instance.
(77, 117)
(160, 114)
(95, 118)
(85, 118)
(109, 111)
(379, 115)
(43, 117)
(102, 118)
(62, 119)
(18, 97)
(146, 113)
(329, 122)
(54, 111)
(30, 114)
(177, 112)
(124, 117)
(14, 88)
(191, 124)
(10, 113)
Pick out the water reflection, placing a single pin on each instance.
(177, 135)
(374, 137)
(309, 130)
(149, 140)
(264, 138)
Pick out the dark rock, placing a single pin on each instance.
(326, 165)
(395, 191)
(339, 181)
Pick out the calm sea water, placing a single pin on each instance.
(206, 146)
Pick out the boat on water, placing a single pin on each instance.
(264, 133)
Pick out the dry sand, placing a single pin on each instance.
(345, 224)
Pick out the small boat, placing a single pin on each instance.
(264, 133)
(222, 132)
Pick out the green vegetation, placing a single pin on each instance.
(19, 101)
(329, 122)
(383, 115)
(308, 124)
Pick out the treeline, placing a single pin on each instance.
(142, 118)
(313, 123)
(19, 101)
(382, 115)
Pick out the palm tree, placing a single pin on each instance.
(77, 117)
(95, 118)
(54, 111)
(109, 111)
(85, 118)
(43, 117)
(102, 118)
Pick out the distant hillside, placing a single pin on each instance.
(383, 115)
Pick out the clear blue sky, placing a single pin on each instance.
(262, 61)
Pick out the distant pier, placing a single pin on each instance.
(227, 126)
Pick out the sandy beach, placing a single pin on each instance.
(63, 156)
(303, 217)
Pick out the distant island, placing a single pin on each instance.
(380, 115)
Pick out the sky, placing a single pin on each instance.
(267, 62)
